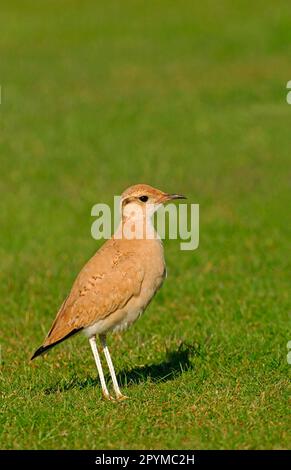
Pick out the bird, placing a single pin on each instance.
(117, 284)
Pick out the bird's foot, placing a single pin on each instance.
(121, 397)
(108, 397)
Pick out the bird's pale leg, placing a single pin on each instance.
(117, 391)
(93, 345)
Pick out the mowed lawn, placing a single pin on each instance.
(189, 97)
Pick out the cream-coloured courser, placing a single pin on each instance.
(116, 285)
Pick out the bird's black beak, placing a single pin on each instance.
(170, 197)
(176, 196)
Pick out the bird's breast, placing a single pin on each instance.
(154, 274)
(149, 256)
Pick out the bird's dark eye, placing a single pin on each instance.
(143, 198)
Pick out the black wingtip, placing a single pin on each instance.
(43, 349)
(39, 351)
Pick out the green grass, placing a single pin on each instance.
(100, 95)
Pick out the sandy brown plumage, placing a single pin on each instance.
(116, 284)
(112, 277)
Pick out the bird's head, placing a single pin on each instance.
(142, 200)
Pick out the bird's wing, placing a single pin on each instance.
(97, 292)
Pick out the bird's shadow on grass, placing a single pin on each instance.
(175, 363)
